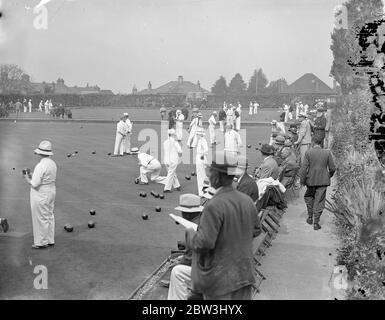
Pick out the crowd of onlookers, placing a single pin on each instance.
(20, 106)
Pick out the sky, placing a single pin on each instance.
(117, 44)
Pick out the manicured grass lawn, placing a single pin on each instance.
(106, 262)
(264, 115)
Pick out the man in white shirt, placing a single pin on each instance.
(201, 160)
(46, 107)
(121, 131)
(172, 152)
(256, 105)
(251, 106)
(148, 164)
(237, 116)
(233, 142)
(42, 196)
(127, 138)
(179, 125)
(30, 105)
(41, 106)
(230, 115)
(25, 105)
(212, 123)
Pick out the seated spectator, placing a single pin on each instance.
(180, 279)
(246, 183)
(279, 144)
(269, 166)
(288, 167)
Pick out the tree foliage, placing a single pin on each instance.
(259, 80)
(237, 86)
(220, 87)
(345, 46)
(11, 77)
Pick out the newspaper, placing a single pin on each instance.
(187, 224)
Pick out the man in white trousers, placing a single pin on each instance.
(42, 197)
(212, 124)
(25, 106)
(30, 105)
(46, 107)
(251, 106)
(127, 138)
(121, 131)
(172, 152)
(201, 160)
(237, 113)
(233, 142)
(230, 115)
(195, 124)
(147, 164)
(256, 105)
(179, 125)
(41, 105)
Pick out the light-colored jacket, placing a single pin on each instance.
(121, 128)
(233, 141)
(304, 134)
(171, 149)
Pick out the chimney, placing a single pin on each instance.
(180, 79)
(199, 85)
(149, 85)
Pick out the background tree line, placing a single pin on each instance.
(258, 84)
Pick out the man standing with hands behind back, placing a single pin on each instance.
(316, 170)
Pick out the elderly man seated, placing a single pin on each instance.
(246, 183)
(288, 167)
(180, 279)
(269, 166)
(279, 144)
(147, 164)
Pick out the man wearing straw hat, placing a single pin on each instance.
(172, 152)
(180, 279)
(42, 196)
(268, 167)
(222, 261)
(201, 160)
(212, 124)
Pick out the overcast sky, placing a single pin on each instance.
(118, 43)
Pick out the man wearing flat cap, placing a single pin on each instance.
(42, 196)
(279, 144)
(269, 166)
(304, 135)
(222, 262)
(320, 124)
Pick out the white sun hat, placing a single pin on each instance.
(45, 148)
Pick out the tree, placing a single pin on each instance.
(274, 86)
(220, 87)
(345, 44)
(11, 77)
(237, 86)
(260, 79)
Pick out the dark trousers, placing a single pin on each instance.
(240, 294)
(315, 201)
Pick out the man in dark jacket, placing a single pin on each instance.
(222, 264)
(320, 124)
(246, 183)
(316, 170)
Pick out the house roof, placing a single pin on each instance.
(175, 87)
(308, 83)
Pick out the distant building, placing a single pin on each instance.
(180, 87)
(25, 86)
(306, 85)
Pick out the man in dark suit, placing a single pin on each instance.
(269, 167)
(246, 183)
(222, 262)
(316, 170)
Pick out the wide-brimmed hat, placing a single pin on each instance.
(225, 162)
(189, 202)
(214, 112)
(45, 148)
(280, 140)
(267, 149)
(199, 115)
(274, 122)
(135, 150)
